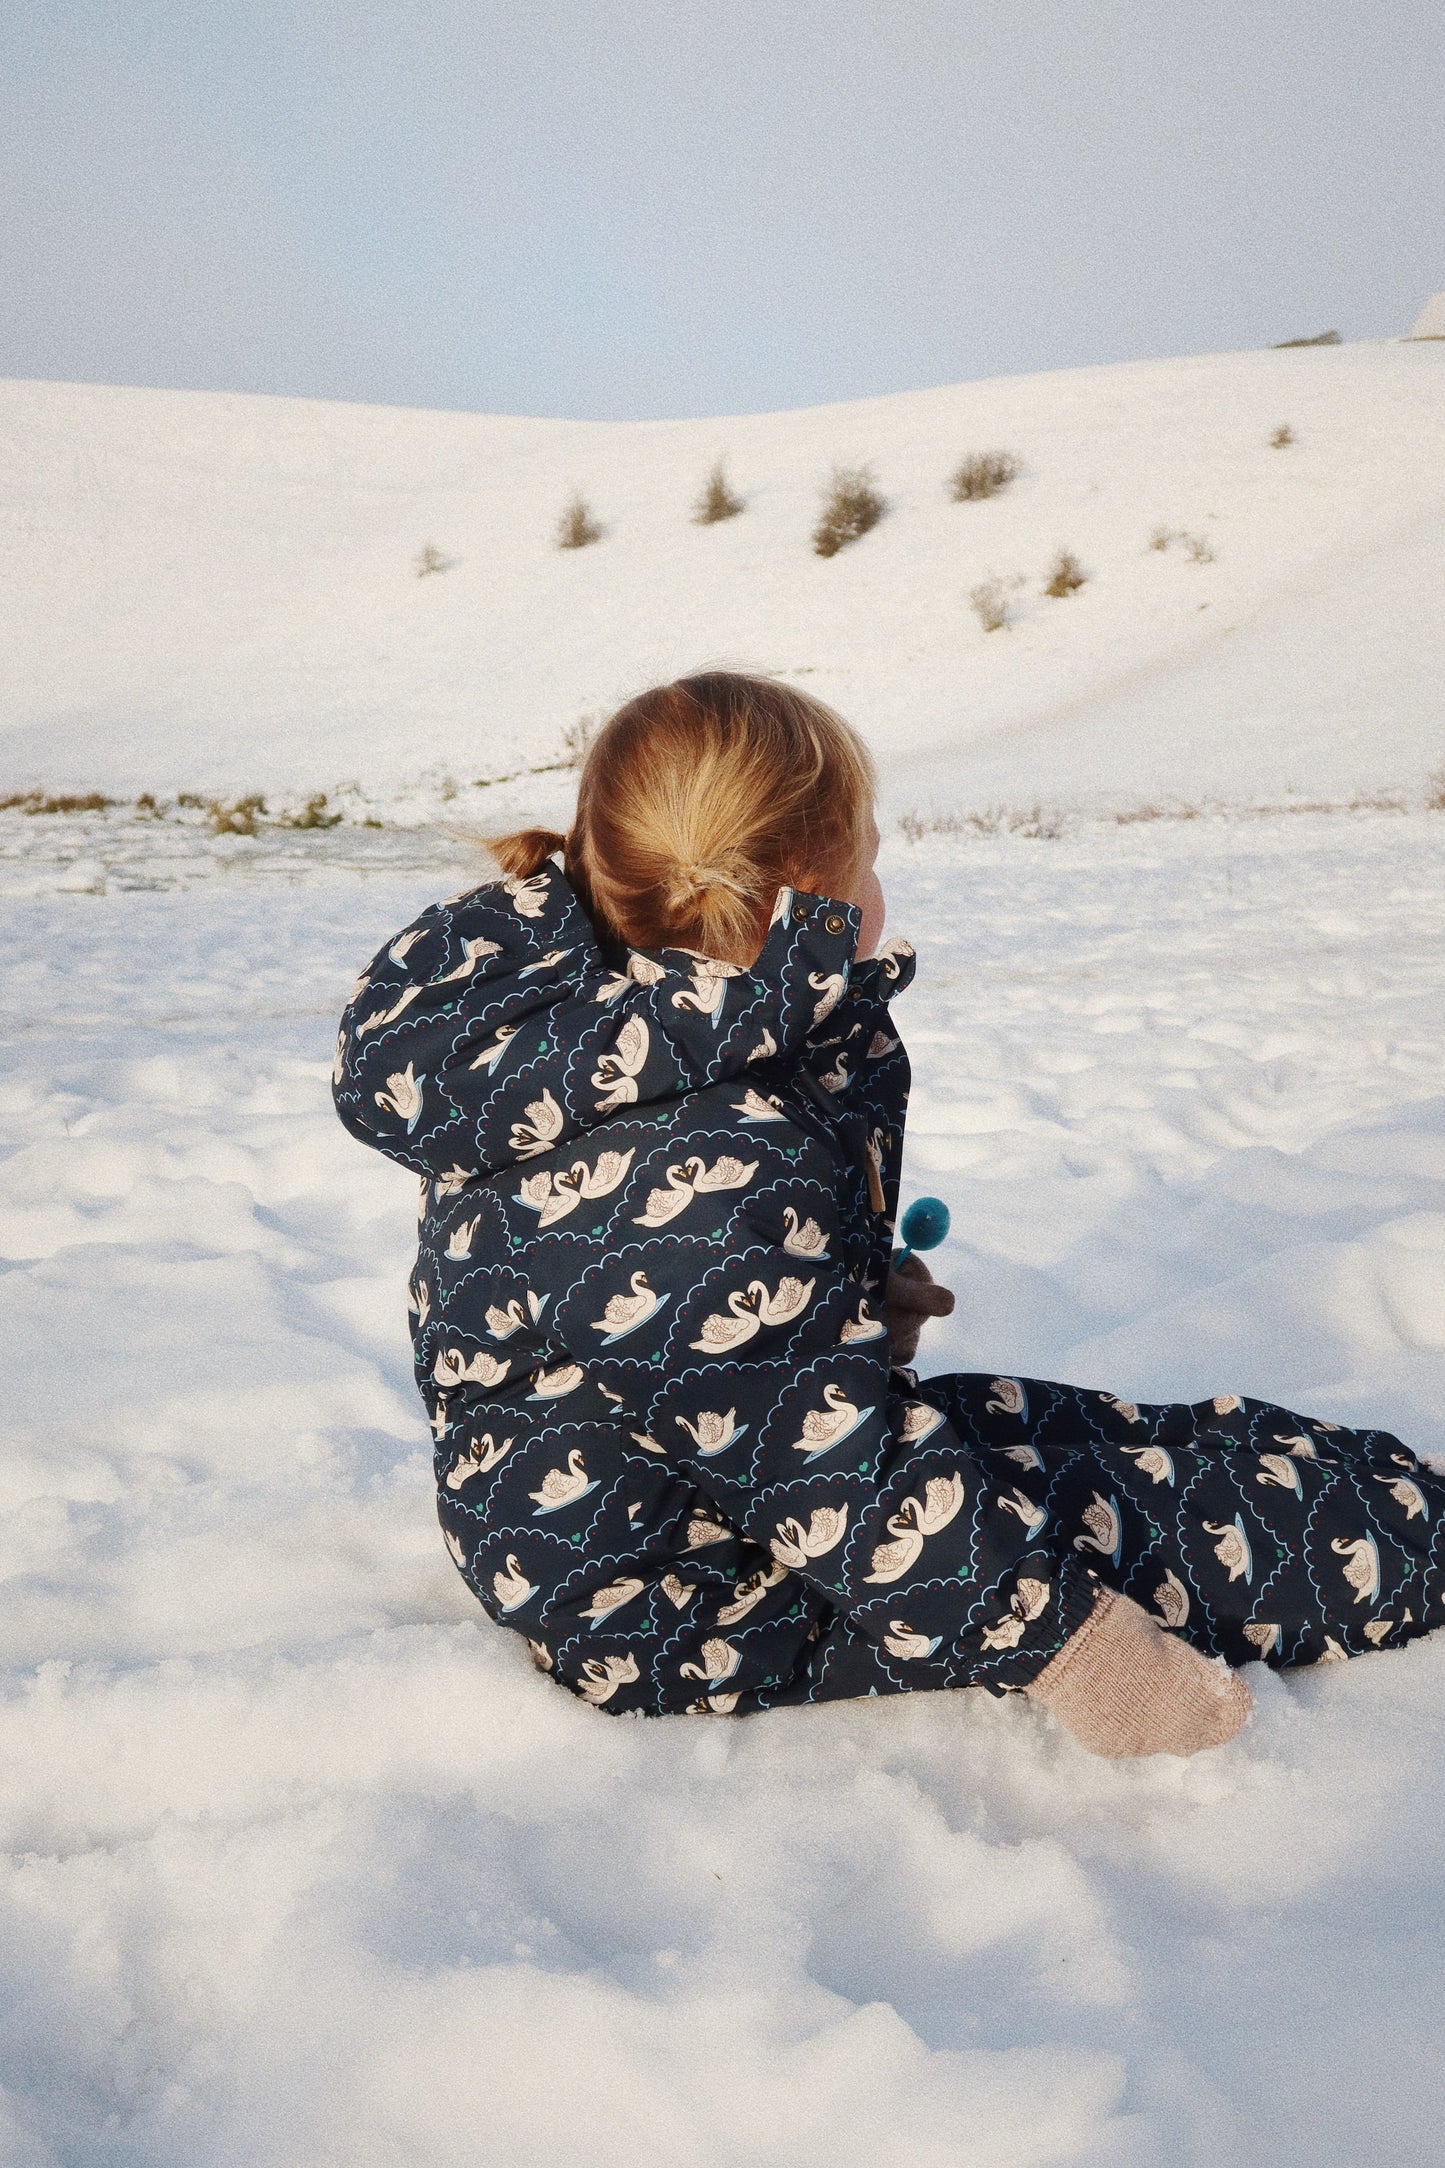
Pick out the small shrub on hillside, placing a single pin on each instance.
(984, 474)
(716, 500)
(577, 527)
(431, 559)
(39, 801)
(991, 602)
(1161, 538)
(1066, 576)
(314, 814)
(1283, 436)
(1198, 549)
(237, 819)
(1435, 792)
(576, 738)
(1036, 824)
(851, 506)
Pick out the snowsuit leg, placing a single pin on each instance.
(1255, 1532)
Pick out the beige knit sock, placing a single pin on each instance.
(1123, 1686)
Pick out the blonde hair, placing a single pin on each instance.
(698, 801)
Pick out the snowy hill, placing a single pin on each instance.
(213, 592)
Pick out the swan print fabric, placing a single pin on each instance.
(657, 1196)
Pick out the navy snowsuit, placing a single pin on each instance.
(657, 1208)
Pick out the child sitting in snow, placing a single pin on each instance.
(654, 1091)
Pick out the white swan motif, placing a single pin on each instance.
(712, 1433)
(1018, 1502)
(459, 1556)
(1104, 1530)
(1171, 1599)
(1126, 1408)
(719, 1661)
(836, 1079)
(501, 1324)
(1282, 1469)
(553, 1196)
(751, 1309)
(794, 1545)
(617, 1072)
(548, 962)
(709, 986)
(1009, 1398)
(753, 1107)
(472, 954)
(562, 1486)
(607, 1600)
(552, 1384)
(512, 1589)
(452, 1367)
(649, 1445)
(449, 1184)
(1406, 1494)
(438, 1419)
(1265, 1635)
(1363, 1568)
(916, 1519)
(919, 1421)
(766, 1047)
(1233, 1548)
(1296, 1444)
(693, 1178)
(1153, 1461)
(678, 1593)
(490, 1056)
(1030, 1597)
(1227, 1403)
(748, 1593)
(703, 1530)
(541, 1655)
(1024, 1456)
(900, 1640)
(479, 1458)
(863, 1327)
(600, 1680)
(624, 1313)
(1005, 1633)
(1375, 1629)
(645, 970)
(419, 1300)
(879, 1045)
(338, 1059)
(400, 949)
(541, 1129)
(825, 1427)
(378, 1017)
(829, 985)
(528, 896)
(403, 1096)
(460, 1244)
(805, 1238)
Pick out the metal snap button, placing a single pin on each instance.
(800, 914)
(833, 923)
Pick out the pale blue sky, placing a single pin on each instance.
(624, 208)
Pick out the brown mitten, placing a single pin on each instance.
(1123, 1686)
(913, 1296)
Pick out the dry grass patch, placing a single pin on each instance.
(851, 506)
(577, 527)
(984, 474)
(1066, 576)
(716, 501)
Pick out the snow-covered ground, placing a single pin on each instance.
(302, 1864)
(306, 1866)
